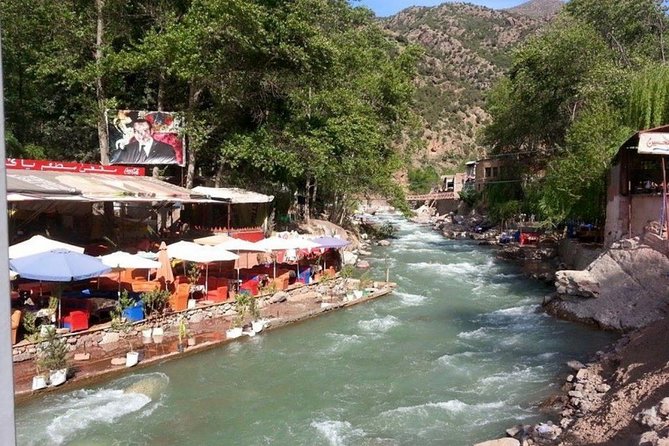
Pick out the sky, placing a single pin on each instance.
(384, 8)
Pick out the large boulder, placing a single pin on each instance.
(630, 284)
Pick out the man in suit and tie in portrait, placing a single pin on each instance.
(143, 149)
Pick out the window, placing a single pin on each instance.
(487, 172)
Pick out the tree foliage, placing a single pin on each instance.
(305, 95)
(574, 94)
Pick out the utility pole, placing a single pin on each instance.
(7, 426)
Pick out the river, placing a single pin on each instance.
(456, 355)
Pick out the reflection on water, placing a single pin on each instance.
(456, 355)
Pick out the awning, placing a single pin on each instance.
(23, 185)
(233, 195)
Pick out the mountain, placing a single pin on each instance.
(540, 9)
(466, 49)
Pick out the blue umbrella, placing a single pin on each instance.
(58, 265)
(330, 242)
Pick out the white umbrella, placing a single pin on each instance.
(37, 244)
(237, 245)
(121, 260)
(281, 244)
(193, 252)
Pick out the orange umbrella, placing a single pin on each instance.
(165, 270)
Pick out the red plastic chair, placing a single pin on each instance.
(77, 320)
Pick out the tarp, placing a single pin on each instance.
(233, 195)
(26, 184)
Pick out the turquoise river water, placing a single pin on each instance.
(456, 355)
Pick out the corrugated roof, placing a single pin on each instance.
(27, 184)
(233, 195)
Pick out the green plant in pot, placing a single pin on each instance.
(121, 324)
(193, 276)
(52, 356)
(182, 333)
(241, 308)
(155, 302)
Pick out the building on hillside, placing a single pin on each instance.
(492, 170)
(453, 183)
(470, 175)
(634, 193)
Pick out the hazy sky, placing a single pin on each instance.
(383, 8)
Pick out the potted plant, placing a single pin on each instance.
(193, 276)
(121, 324)
(256, 323)
(241, 306)
(52, 356)
(183, 333)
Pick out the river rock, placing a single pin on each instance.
(575, 365)
(349, 258)
(383, 243)
(663, 407)
(576, 283)
(281, 296)
(500, 442)
(362, 264)
(649, 417)
(110, 337)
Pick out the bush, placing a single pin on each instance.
(155, 301)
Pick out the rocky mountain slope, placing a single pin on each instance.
(467, 48)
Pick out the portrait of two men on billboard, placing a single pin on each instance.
(142, 137)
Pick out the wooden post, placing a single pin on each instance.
(229, 216)
(664, 196)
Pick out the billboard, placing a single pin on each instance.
(145, 137)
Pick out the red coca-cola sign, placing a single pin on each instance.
(66, 166)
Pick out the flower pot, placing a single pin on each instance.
(191, 304)
(131, 359)
(232, 333)
(357, 294)
(44, 329)
(157, 335)
(191, 342)
(57, 377)
(39, 382)
(257, 326)
(180, 347)
(147, 332)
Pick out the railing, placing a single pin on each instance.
(432, 196)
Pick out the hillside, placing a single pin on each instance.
(540, 9)
(467, 48)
